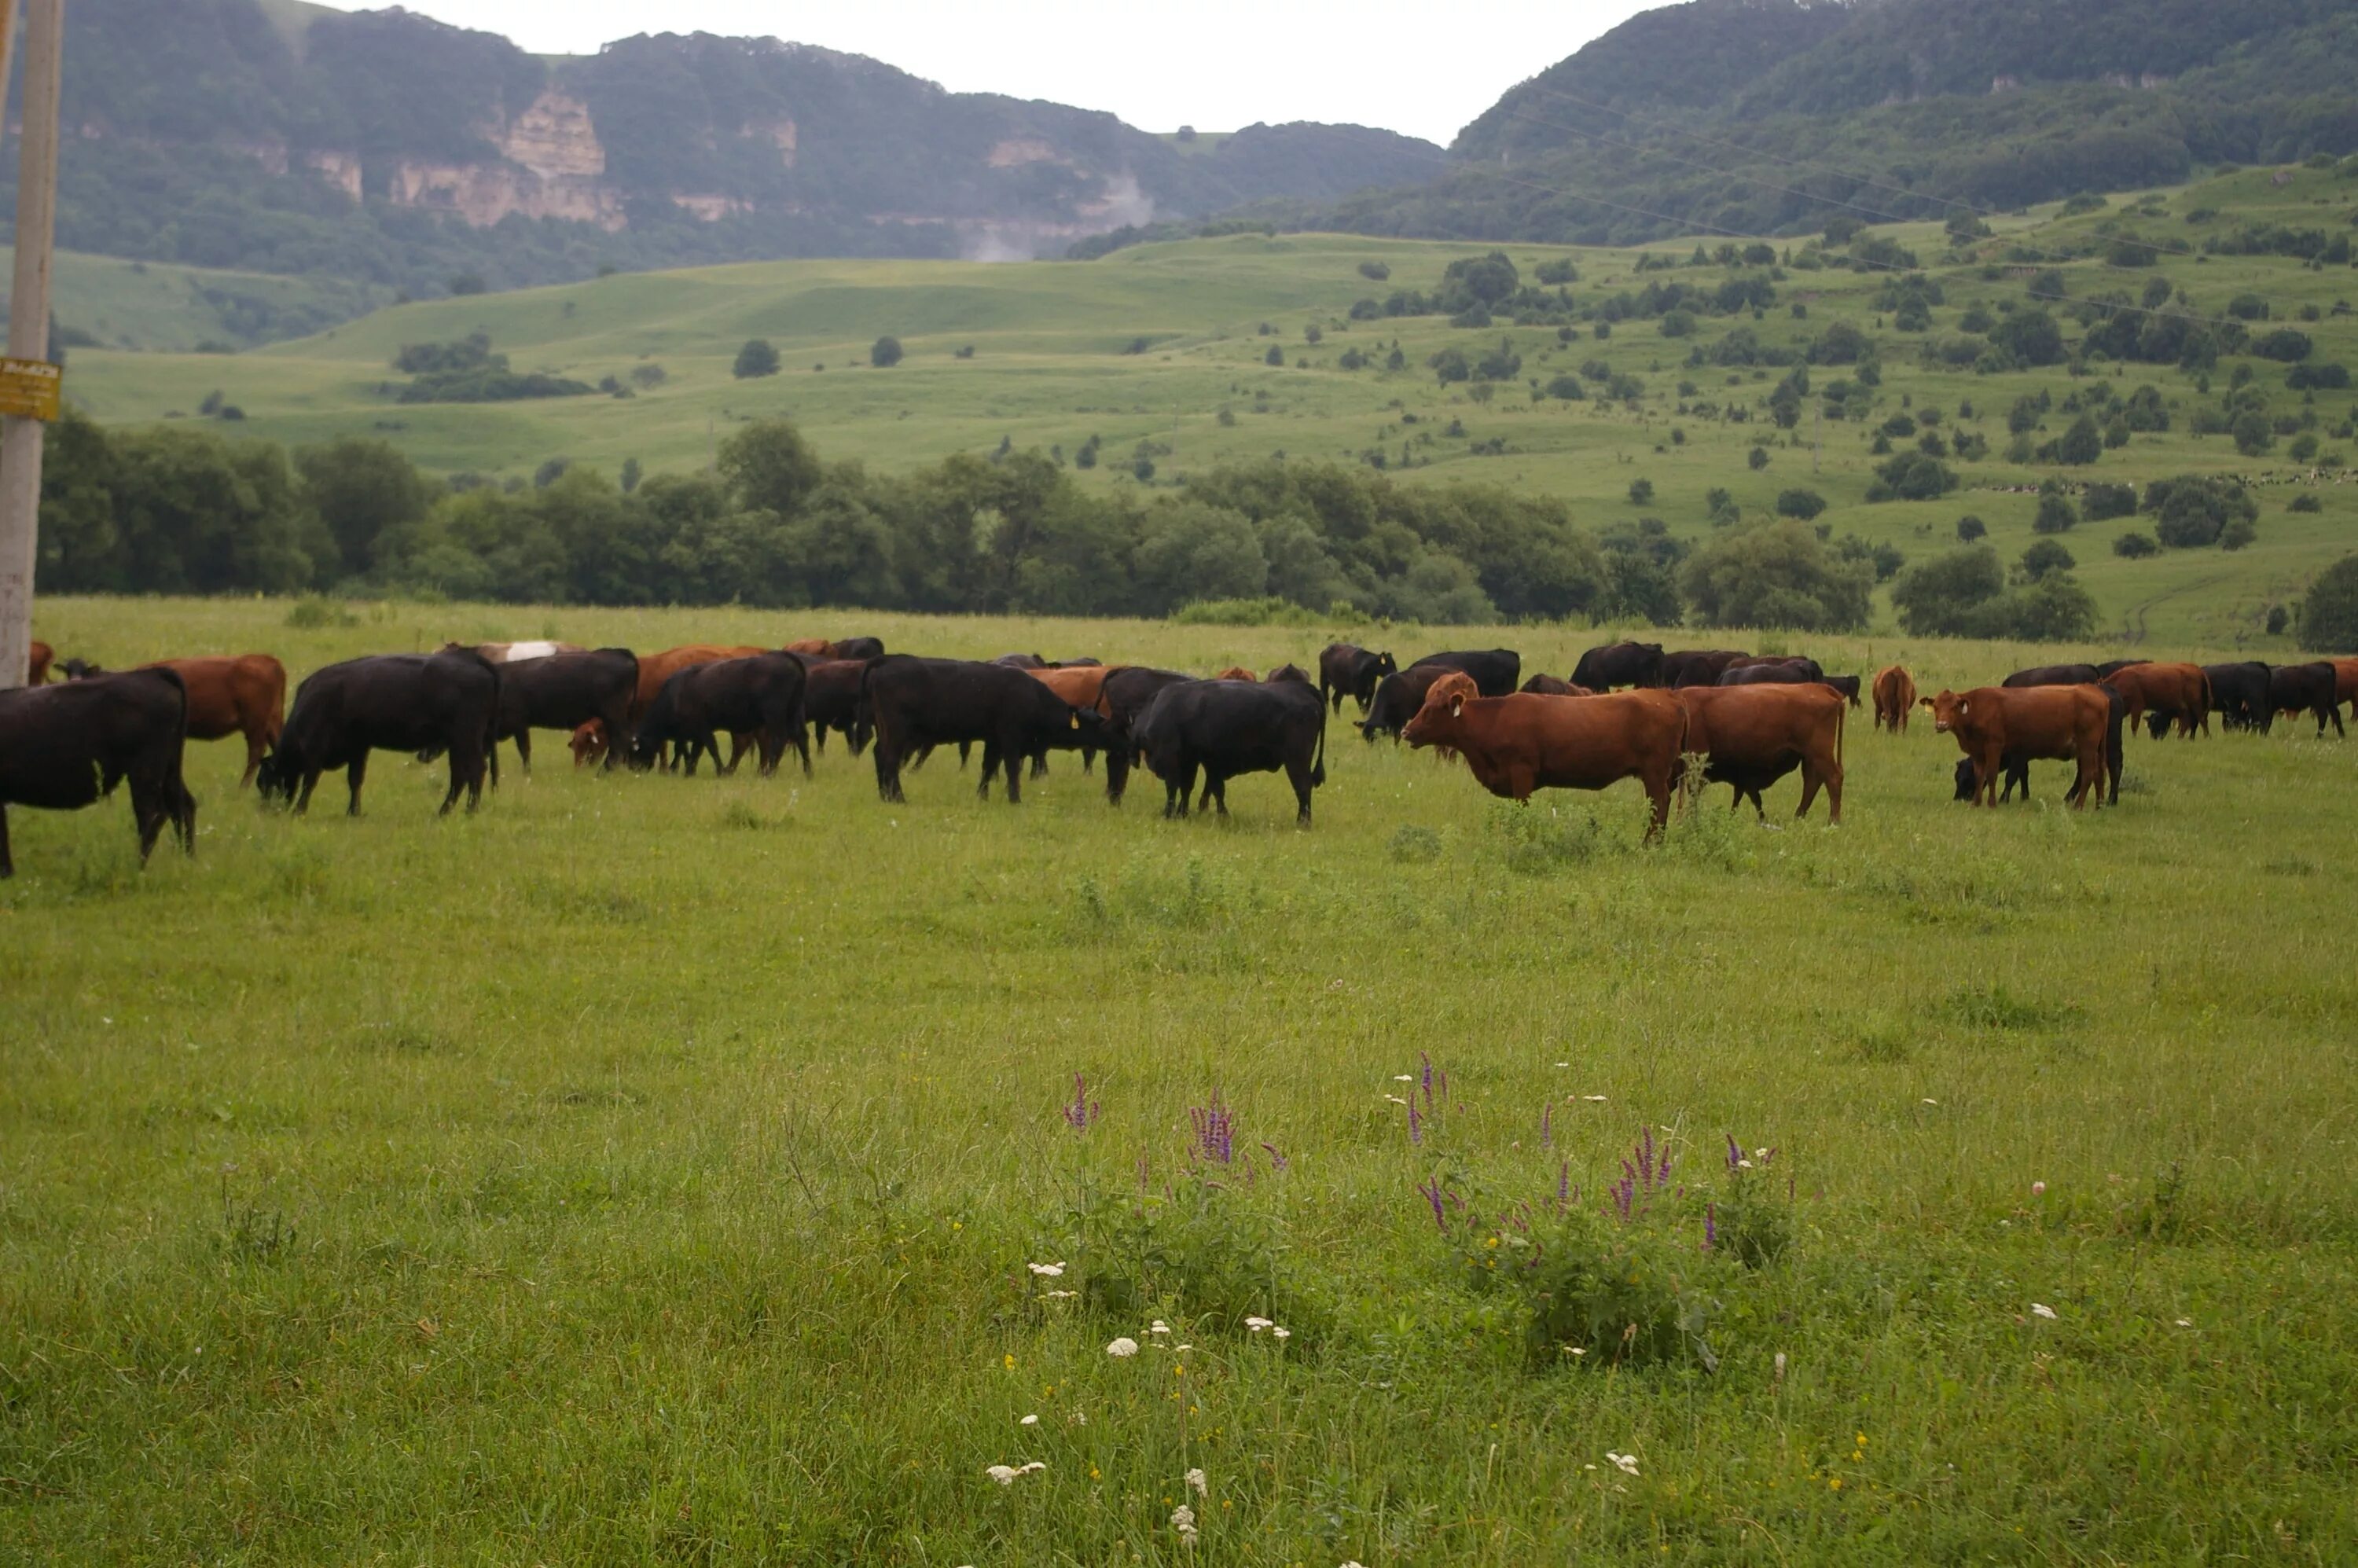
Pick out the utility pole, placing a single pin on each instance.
(28, 383)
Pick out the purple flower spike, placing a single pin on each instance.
(1562, 1183)
(1432, 1191)
(1734, 1154)
(1710, 1225)
(1415, 1125)
(1215, 1131)
(1425, 1078)
(1082, 1111)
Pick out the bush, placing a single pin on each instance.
(1641, 491)
(2082, 444)
(2284, 345)
(2056, 515)
(1374, 271)
(2106, 500)
(2306, 502)
(1912, 476)
(2046, 556)
(1566, 387)
(2238, 534)
(884, 352)
(1970, 528)
(1777, 575)
(1276, 356)
(2134, 545)
(2193, 511)
(2252, 433)
(756, 358)
(1801, 503)
(2328, 615)
(1936, 598)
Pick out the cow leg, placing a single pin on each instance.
(800, 737)
(1116, 774)
(354, 777)
(1298, 774)
(964, 750)
(257, 747)
(1014, 761)
(1040, 764)
(148, 814)
(310, 783)
(1215, 790)
(1658, 791)
(990, 767)
(1089, 759)
(524, 748)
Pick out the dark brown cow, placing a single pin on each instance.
(1895, 699)
(1346, 669)
(246, 696)
(2182, 691)
(1846, 685)
(62, 748)
(1545, 685)
(1751, 736)
(2296, 690)
(37, 668)
(831, 702)
(1519, 743)
(2345, 684)
(1992, 723)
(656, 668)
(1698, 666)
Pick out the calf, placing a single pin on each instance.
(2239, 695)
(1346, 669)
(1516, 744)
(1611, 664)
(910, 703)
(1399, 698)
(1495, 670)
(1895, 697)
(2294, 689)
(61, 748)
(391, 702)
(2178, 690)
(2070, 722)
(1225, 728)
(566, 691)
(761, 695)
(242, 695)
(1750, 737)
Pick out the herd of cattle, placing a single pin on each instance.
(1630, 710)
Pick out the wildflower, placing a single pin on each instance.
(1780, 1366)
(2038, 1189)
(1196, 1479)
(1125, 1345)
(1047, 1271)
(1058, 1295)
(1183, 1519)
(1594, 1100)
(1215, 1127)
(1625, 1463)
(1005, 1475)
(1029, 1421)
(1415, 1125)
(1082, 1111)
(1710, 1225)
(1008, 1360)
(1158, 1327)
(1280, 1334)
(1835, 1485)
(1276, 1160)
(1256, 1324)
(1403, 1077)
(1582, 1350)
(2185, 1323)
(2040, 1309)
(1930, 1101)
(1396, 1100)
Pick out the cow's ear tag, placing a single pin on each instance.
(1457, 705)
(1963, 706)
(1077, 720)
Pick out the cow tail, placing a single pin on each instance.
(1318, 763)
(863, 709)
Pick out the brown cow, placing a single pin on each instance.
(1992, 723)
(1237, 672)
(1895, 699)
(1751, 736)
(807, 645)
(2345, 683)
(36, 669)
(2182, 691)
(1519, 743)
(242, 695)
(1545, 685)
(656, 668)
(589, 742)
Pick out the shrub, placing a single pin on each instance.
(2106, 500)
(1566, 387)
(2046, 556)
(2193, 511)
(2306, 502)
(1777, 575)
(2134, 545)
(2056, 515)
(2328, 615)
(2237, 534)
(1936, 598)
(2284, 345)
(755, 358)
(884, 352)
(1970, 528)
(1801, 503)
(2083, 443)
(1641, 491)
(1276, 356)
(2252, 433)
(1374, 271)
(1757, 459)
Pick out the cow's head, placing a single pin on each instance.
(1385, 665)
(1948, 710)
(278, 773)
(1444, 701)
(589, 742)
(1289, 672)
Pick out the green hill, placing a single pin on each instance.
(116, 303)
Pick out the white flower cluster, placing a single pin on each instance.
(1005, 1473)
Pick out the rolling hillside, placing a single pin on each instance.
(1164, 344)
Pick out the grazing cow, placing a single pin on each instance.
(1398, 699)
(655, 669)
(2113, 666)
(1346, 669)
(1545, 685)
(2071, 722)
(36, 667)
(1495, 670)
(1771, 672)
(1848, 685)
(1895, 697)
(1516, 744)
(588, 743)
(1237, 672)
(391, 702)
(1128, 692)
(1289, 672)
(1225, 728)
(1021, 662)
(1749, 737)
(760, 696)
(566, 691)
(907, 703)
(2017, 777)
(856, 648)
(524, 653)
(2239, 695)
(831, 702)
(2180, 690)
(242, 696)
(1611, 664)
(2053, 674)
(1698, 666)
(61, 748)
(1081, 685)
(2294, 689)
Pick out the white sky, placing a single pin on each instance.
(1213, 64)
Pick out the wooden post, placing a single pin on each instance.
(28, 332)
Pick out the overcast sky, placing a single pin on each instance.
(1213, 64)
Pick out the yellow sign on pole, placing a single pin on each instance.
(28, 388)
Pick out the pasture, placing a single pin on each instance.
(650, 1169)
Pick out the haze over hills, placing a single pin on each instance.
(387, 148)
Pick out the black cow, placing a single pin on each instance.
(1346, 669)
(2018, 767)
(448, 701)
(1021, 662)
(857, 648)
(831, 700)
(761, 695)
(1227, 728)
(2054, 675)
(565, 691)
(63, 747)
(1495, 670)
(2115, 666)
(1773, 672)
(1619, 664)
(1698, 666)
(2239, 695)
(2293, 688)
(1124, 694)
(1847, 684)
(910, 703)
(1398, 697)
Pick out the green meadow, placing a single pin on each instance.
(1164, 344)
(653, 1169)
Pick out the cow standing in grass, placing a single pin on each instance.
(392, 702)
(1224, 728)
(1519, 743)
(565, 691)
(62, 748)
(2296, 690)
(1749, 737)
(911, 704)
(2179, 691)
(244, 695)
(1992, 725)
(1346, 669)
(1895, 699)
(760, 697)
(1612, 665)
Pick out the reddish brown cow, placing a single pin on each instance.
(2345, 683)
(1992, 723)
(1523, 742)
(242, 695)
(1083, 685)
(656, 668)
(1545, 685)
(588, 743)
(1237, 672)
(2182, 691)
(807, 645)
(1751, 736)
(1895, 699)
(36, 669)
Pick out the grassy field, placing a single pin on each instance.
(648, 1169)
(144, 307)
(1164, 343)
